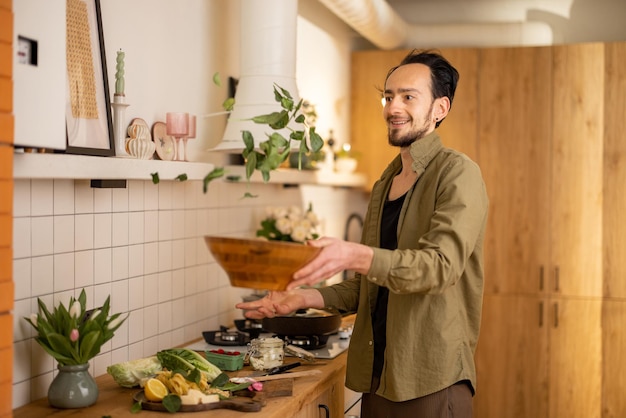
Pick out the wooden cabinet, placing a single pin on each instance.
(614, 197)
(577, 170)
(541, 155)
(614, 234)
(614, 365)
(515, 158)
(327, 403)
(512, 358)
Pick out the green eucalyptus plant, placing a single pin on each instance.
(276, 148)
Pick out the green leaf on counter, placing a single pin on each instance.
(221, 380)
(181, 177)
(195, 376)
(172, 403)
(155, 178)
(136, 408)
(249, 195)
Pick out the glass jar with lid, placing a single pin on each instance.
(266, 353)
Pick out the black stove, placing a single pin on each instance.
(225, 337)
(307, 342)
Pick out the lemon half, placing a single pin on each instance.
(155, 390)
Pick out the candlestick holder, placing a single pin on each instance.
(119, 124)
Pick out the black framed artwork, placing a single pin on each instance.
(88, 120)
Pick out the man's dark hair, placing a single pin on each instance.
(444, 77)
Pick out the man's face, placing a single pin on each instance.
(409, 105)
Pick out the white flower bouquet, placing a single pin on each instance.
(290, 224)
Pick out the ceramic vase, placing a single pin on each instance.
(73, 387)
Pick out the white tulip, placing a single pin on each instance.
(75, 309)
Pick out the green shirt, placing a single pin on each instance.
(435, 278)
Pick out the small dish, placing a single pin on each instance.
(164, 143)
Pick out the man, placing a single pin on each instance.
(419, 282)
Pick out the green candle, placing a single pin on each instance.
(119, 74)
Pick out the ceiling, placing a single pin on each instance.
(390, 24)
(477, 11)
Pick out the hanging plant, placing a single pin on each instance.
(276, 148)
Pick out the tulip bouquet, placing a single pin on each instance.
(289, 224)
(74, 336)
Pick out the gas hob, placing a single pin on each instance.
(334, 346)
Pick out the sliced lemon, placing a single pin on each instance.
(155, 390)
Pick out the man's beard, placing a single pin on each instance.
(413, 135)
(407, 139)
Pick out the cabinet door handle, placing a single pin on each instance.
(325, 408)
(556, 315)
(556, 279)
(541, 278)
(540, 314)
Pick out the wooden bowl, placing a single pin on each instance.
(260, 264)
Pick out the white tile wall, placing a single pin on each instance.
(143, 246)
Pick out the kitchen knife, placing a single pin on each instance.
(276, 370)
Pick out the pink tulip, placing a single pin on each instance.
(74, 335)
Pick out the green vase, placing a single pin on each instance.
(73, 387)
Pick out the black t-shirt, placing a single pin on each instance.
(388, 240)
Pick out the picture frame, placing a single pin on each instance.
(88, 119)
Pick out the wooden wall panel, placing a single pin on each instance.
(577, 143)
(614, 229)
(515, 125)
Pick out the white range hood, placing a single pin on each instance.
(268, 57)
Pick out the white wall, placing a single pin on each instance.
(143, 245)
(173, 48)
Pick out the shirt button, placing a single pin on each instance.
(370, 342)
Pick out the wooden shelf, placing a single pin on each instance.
(66, 166)
(294, 176)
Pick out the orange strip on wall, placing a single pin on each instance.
(6, 136)
(6, 230)
(6, 23)
(6, 95)
(6, 338)
(6, 63)
(6, 196)
(6, 264)
(6, 297)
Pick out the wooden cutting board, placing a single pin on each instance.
(237, 403)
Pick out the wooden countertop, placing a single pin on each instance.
(116, 401)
